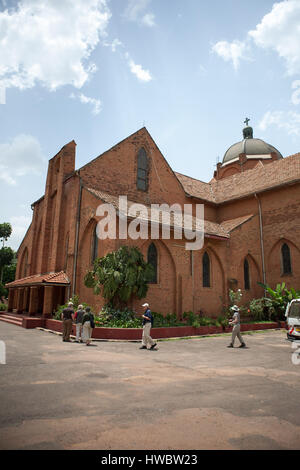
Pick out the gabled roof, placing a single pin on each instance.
(260, 178)
(49, 279)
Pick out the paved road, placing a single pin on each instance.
(190, 394)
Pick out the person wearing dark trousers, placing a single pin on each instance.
(78, 320)
(67, 317)
(147, 324)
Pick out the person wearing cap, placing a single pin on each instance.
(78, 320)
(67, 318)
(236, 331)
(147, 324)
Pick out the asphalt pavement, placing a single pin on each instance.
(188, 394)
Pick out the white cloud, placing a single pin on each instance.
(286, 120)
(141, 74)
(279, 30)
(113, 45)
(149, 20)
(50, 42)
(231, 51)
(19, 225)
(134, 12)
(296, 94)
(21, 156)
(96, 104)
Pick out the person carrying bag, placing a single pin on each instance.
(88, 323)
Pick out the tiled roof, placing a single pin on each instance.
(260, 178)
(231, 224)
(210, 228)
(196, 187)
(49, 278)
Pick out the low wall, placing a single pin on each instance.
(158, 333)
(33, 322)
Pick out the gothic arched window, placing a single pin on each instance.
(142, 170)
(94, 245)
(246, 274)
(286, 259)
(205, 270)
(152, 259)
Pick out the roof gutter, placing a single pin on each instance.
(77, 235)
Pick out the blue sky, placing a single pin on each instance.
(98, 70)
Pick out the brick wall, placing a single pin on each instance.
(51, 238)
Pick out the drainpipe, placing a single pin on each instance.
(261, 240)
(77, 236)
(193, 281)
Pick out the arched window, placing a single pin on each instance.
(286, 259)
(152, 259)
(205, 270)
(94, 245)
(142, 170)
(246, 274)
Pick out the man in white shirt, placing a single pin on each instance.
(236, 331)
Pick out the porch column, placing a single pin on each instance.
(48, 301)
(25, 298)
(20, 298)
(11, 294)
(33, 300)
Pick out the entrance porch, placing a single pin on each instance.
(39, 294)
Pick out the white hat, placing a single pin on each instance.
(235, 308)
(145, 305)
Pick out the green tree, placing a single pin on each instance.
(5, 231)
(6, 257)
(120, 275)
(9, 271)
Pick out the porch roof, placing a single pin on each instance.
(54, 279)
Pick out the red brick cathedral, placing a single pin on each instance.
(251, 229)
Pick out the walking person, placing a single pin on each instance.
(236, 331)
(147, 324)
(67, 318)
(78, 320)
(87, 326)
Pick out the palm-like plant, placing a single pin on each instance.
(280, 296)
(120, 275)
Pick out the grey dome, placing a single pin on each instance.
(249, 146)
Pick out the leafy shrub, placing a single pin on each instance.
(190, 317)
(260, 309)
(235, 296)
(3, 291)
(279, 298)
(222, 321)
(3, 307)
(117, 318)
